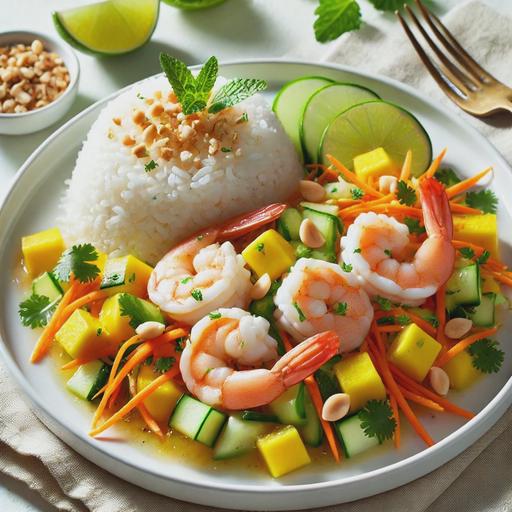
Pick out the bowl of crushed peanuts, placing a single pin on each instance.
(38, 81)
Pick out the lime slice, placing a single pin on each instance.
(110, 27)
(322, 107)
(289, 104)
(375, 124)
(191, 5)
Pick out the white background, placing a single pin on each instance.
(237, 29)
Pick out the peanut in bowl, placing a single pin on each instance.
(33, 96)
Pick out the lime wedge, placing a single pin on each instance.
(191, 5)
(111, 27)
(373, 124)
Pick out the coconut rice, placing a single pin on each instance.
(147, 176)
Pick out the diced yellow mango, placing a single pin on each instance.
(414, 352)
(480, 230)
(126, 274)
(82, 336)
(490, 285)
(360, 380)
(374, 164)
(41, 251)
(283, 451)
(461, 371)
(114, 324)
(270, 253)
(161, 402)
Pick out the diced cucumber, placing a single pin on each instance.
(238, 437)
(259, 416)
(463, 288)
(331, 209)
(289, 407)
(48, 286)
(289, 223)
(114, 273)
(328, 226)
(88, 379)
(352, 436)
(312, 431)
(301, 250)
(483, 315)
(196, 420)
(326, 380)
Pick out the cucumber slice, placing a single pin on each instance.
(352, 436)
(289, 103)
(211, 428)
(47, 286)
(312, 431)
(259, 416)
(238, 438)
(289, 224)
(373, 124)
(330, 209)
(88, 379)
(322, 107)
(328, 226)
(326, 380)
(463, 288)
(484, 314)
(289, 407)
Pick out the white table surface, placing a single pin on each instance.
(235, 30)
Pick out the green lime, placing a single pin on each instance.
(191, 5)
(111, 27)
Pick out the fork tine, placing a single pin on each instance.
(458, 77)
(453, 46)
(428, 64)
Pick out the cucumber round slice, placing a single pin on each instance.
(375, 124)
(322, 107)
(289, 104)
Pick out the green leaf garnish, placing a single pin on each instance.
(150, 166)
(377, 420)
(214, 315)
(487, 358)
(385, 304)
(356, 193)
(388, 252)
(357, 251)
(302, 316)
(341, 308)
(234, 92)
(36, 311)
(403, 320)
(78, 260)
(484, 200)
(388, 5)
(180, 344)
(335, 17)
(467, 252)
(414, 226)
(405, 194)
(186, 280)
(197, 294)
(225, 150)
(386, 320)
(346, 267)
(164, 364)
(260, 246)
(134, 308)
(447, 177)
(482, 259)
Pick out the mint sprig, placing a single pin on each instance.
(335, 17)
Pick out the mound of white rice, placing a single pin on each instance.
(137, 189)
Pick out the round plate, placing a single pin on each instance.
(31, 205)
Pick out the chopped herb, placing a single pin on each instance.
(134, 308)
(356, 193)
(403, 320)
(420, 343)
(335, 17)
(98, 331)
(387, 252)
(484, 200)
(164, 364)
(385, 304)
(431, 318)
(358, 250)
(334, 189)
(132, 278)
(341, 308)
(225, 150)
(405, 194)
(139, 95)
(197, 294)
(149, 361)
(260, 247)
(467, 252)
(482, 259)
(377, 420)
(302, 316)
(208, 370)
(186, 280)
(150, 166)
(214, 315)
(386, 320)
(487, 357)
(36, 311)
(78, 261)
(346, 267)
(199, 238)
(243, 118)
(414, 226)
(447, 177)
(180, 344)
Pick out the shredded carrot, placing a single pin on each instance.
(420, 322)
(434, 165)
(96, 307)
(389, 328)
(464, 344)
(502, 277)
(462, 208)
(421, 400)
(394, 208)
(396, 416)
(406, 167)
(136, 400)
(83, 301)
(479, 250)
(145, 414)
(352, 178)
(367, 204)
(74, 363)
(464, 185)
(346, 203)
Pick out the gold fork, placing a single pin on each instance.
(461, 78)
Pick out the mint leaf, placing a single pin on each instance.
(388, 5)
(234, 92)
(335, 17)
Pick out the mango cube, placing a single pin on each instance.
(414, 352)
(126, 274)
(116, 325)
(480, 230)
(461, 371)
(82, 336)
(161, 402)
(41, 251)
(360, 380)
(283, 451)
(269, 254)
(374, 164)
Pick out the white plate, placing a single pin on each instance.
(31, 205)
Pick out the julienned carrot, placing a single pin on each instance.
(136, 400)
(352, 178)
(421, 400)
(462, 208)
(367, 204)
(434, 165)
(464, 344)
(96, 306)
(464, 185)
(83, 301)
(346, 203)
(396, 416)
(74, 363)
(502, 277)
(420, 322)
(389, 328)
(145, 414)
(479, 250)
(406, 167)
(392, 208)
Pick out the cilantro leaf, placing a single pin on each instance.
(301, 314)
(467, 252)
(79, 261)
(414, 226)
(356, 193)
(180, 344)
(482, 259)
(487, 357)
(388, 5)
(386, 320)
(341, 308)
(431, 318)
(405, 194)
(197, 294)
(150, 166)
(164, 364)
(134, 308)
(403, 320)
(484, 200)
(214, 315)
(377, 420)
(346, 267)
(36, 311)
(385, 304)
(335, 17)
(447, 177)
(234, 92)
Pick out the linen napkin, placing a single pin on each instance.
(475, 481)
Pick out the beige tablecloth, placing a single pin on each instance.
(478, 480)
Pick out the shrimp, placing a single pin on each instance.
(318, 296)
(377, 246)
(200, 274)
(220, 344)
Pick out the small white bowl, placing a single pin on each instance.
(37, 119)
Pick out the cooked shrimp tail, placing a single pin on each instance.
(436, 209)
